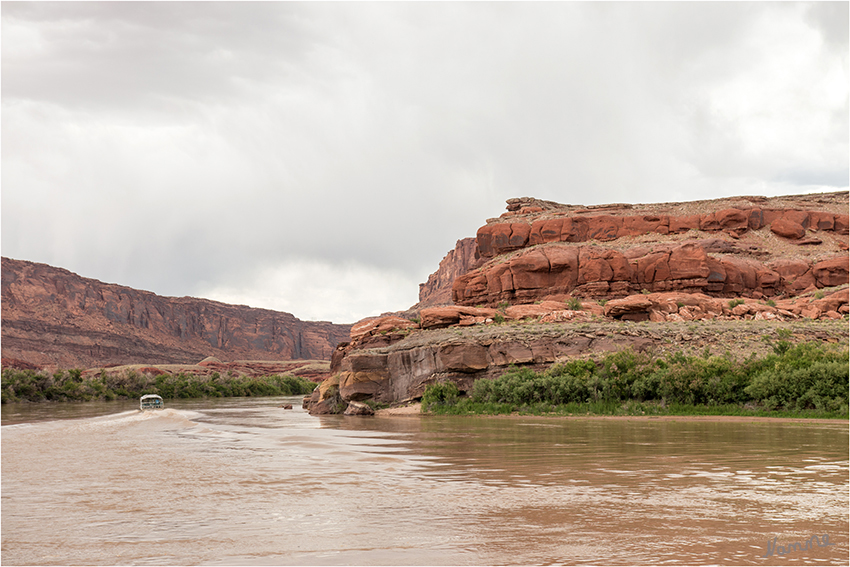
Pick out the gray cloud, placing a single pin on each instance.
(211, 148)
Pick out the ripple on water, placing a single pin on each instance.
(256, 485)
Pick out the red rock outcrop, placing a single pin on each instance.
(578, 225)
(52, 317)
(553, 251)
(400, 369)
(750, 258)
(438, 289)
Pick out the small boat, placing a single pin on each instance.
(150, 402)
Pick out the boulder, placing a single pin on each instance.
(734, 221)
(821, 220)
(833, 301)
(438, 317)
(358, 408)
(325, 399)
(616, 308)
(378, 325)
(787, 228)
(363, 385)
(798, 217)
(831, 272)
(535, 310)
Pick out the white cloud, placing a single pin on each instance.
(160, 145)
(318, 291)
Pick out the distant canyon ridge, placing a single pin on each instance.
(53, 318)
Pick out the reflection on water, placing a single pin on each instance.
(245, 482)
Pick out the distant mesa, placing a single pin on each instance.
(54, 318)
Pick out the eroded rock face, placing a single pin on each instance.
(544, 250)
(438, 289)
(556, 270)
(52, 317)
(502, 237)
(401, 371)
(364, 376)
(725, 259)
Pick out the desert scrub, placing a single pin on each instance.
(31, 386)
(806, 379)
(440, 395)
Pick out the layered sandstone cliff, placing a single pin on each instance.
(52, 317)
(751, 247)
(438, 289)
(548, 282)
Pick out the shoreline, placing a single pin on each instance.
(414, 410)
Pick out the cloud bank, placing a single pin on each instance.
(321, 158)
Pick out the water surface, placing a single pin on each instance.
(242, 481)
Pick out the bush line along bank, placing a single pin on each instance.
(69, 385)
(807, 380)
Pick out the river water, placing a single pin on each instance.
(245, 482)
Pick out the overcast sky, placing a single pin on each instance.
(321, 158)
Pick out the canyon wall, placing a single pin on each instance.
(750, 247)
(438, 289)
(54, 318)
(546, 282)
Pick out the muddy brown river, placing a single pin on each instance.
(244, 482)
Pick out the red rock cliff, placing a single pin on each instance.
(53, 317)
(748, 246)
(438, 289)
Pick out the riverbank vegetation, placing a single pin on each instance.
(70, 385)
(804, 380)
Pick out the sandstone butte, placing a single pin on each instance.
(53, 318)
(603, 278)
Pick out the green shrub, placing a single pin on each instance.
(794, 378)
(802, 377)
(574, 304)
(442, 394)
(27, 385)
